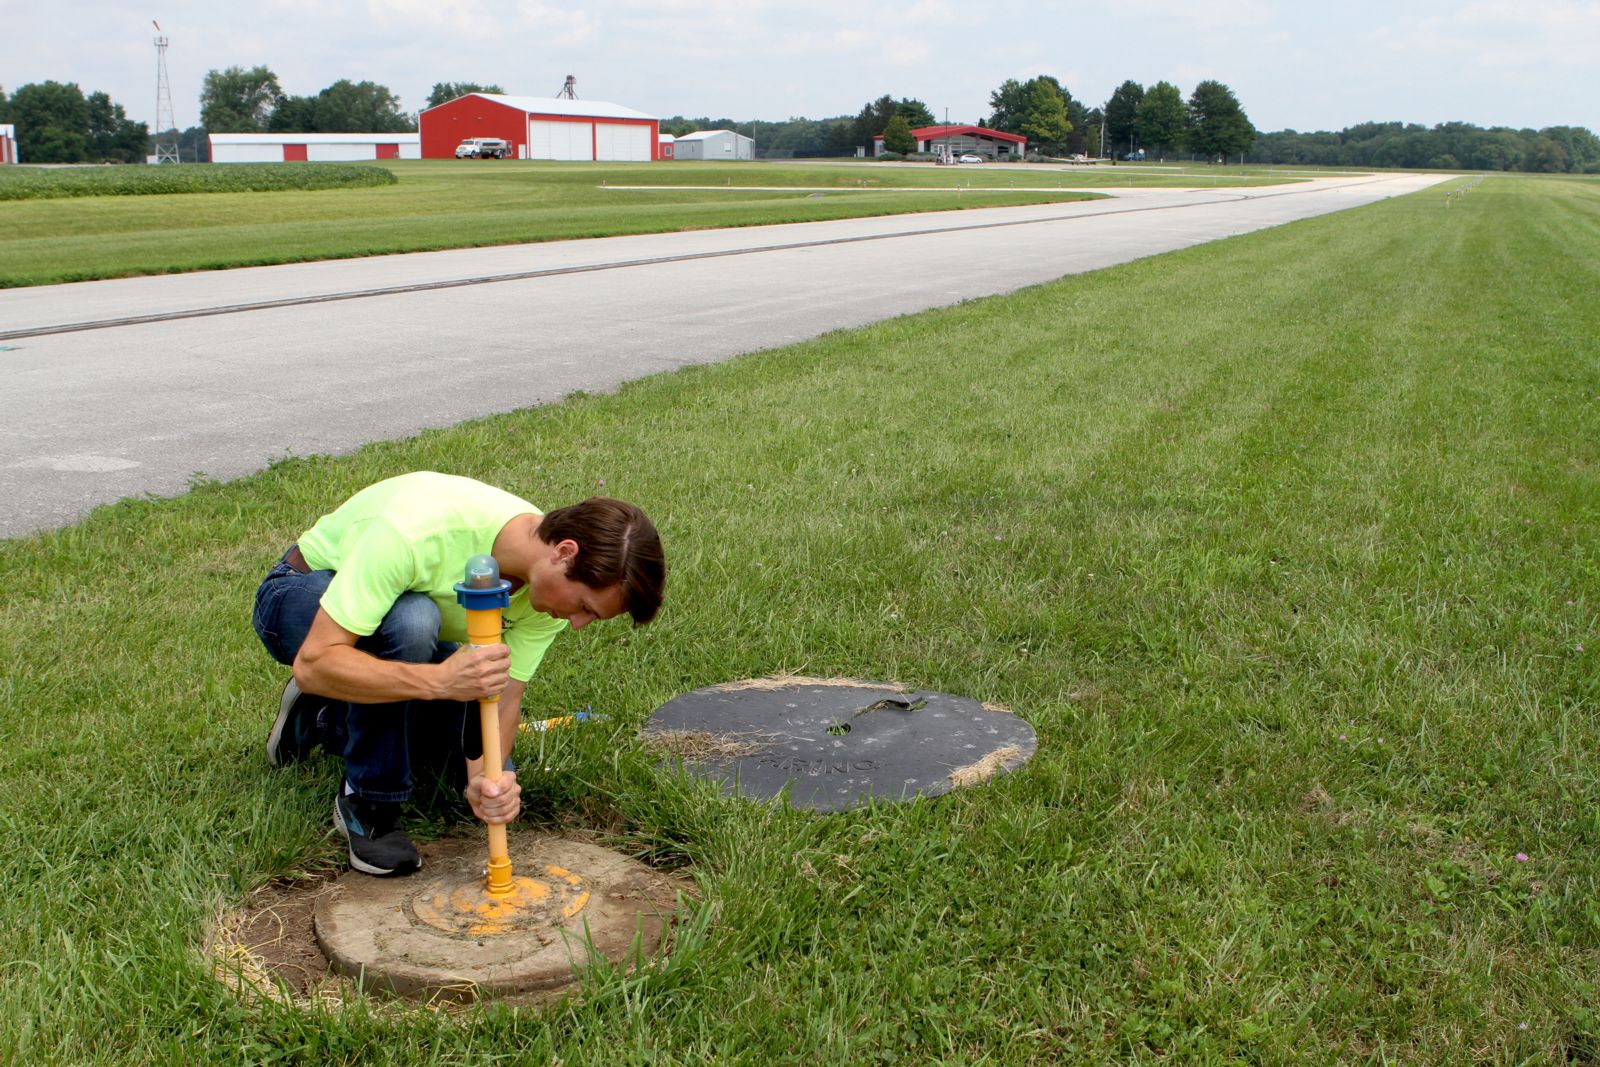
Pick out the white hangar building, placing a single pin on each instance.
(313, 147)
(714, 144)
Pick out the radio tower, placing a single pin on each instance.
(569, 90)
(166, 145)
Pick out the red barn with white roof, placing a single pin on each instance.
(542, 128)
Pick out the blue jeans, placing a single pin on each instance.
(385, 746)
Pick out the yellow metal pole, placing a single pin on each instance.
(485, 596)
(483, 628)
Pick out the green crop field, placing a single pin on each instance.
(41, 183)
(1287, 545)
(467, 203)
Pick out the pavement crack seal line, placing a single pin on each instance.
(552, 272)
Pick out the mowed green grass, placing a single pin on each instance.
(467, 203)
(1288, 546)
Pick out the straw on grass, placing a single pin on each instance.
(783, 681)
(702, 746)
(987, 767)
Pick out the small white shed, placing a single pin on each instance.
(715, 144)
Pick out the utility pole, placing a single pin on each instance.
(166, 147)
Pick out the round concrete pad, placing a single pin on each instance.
(835, 744)
(435, 932)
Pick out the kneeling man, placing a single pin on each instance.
(363, 607)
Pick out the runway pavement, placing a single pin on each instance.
(133, 386)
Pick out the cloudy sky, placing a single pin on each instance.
(1308, 66)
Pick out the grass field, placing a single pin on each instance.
(466, 203)
(1288, 546)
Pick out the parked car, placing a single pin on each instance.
(483, 148)
(970, 158)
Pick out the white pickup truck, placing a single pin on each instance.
(482, 148)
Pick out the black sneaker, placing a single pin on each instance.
(376, 847)
(294, 736)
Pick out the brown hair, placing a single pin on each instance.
(617, 543)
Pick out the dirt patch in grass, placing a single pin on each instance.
(266, 949)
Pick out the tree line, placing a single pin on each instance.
(1447, 146)
(237, 100)
(837, 136)
(1160, 122)
(1210, 123)
(57, 123)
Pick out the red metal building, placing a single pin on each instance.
(542, 127)
(978, 140)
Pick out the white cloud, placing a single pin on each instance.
(900, 52)
(1223, 16)
(1493, 36)
(695, 8)
(557, 25)
(932, 13)
(460, 16)
(1187, 75)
